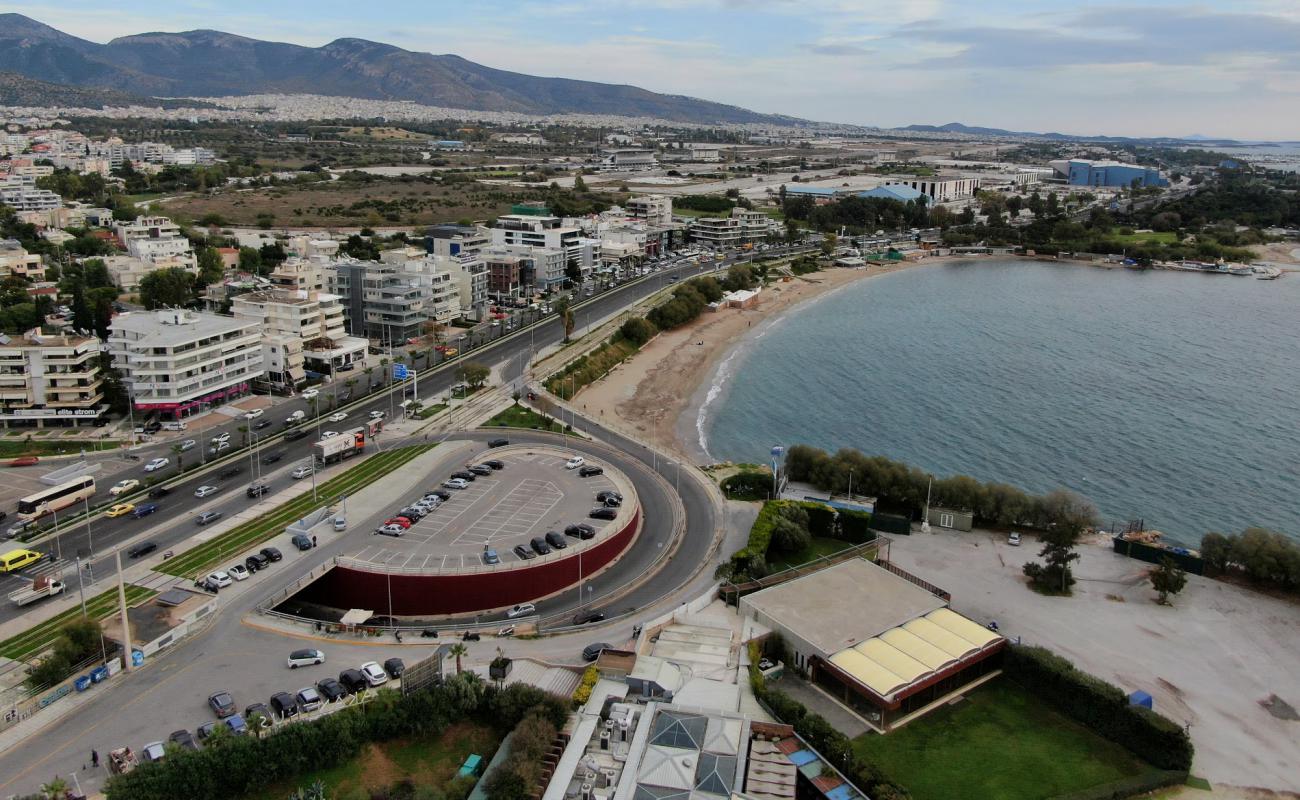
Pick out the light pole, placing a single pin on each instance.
(58, 540)
(89, 537)
(81, 583)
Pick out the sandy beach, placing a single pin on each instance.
(657, 393)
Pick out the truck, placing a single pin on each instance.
(295, 418)
(42, 587)
(121, 761)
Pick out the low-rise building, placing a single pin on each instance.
(178, 363)
(15, 260)
(157, 240)
(942, 190)
(50, 381)
(627, 159)
(128, 271)
(301, 330)
(744, 225)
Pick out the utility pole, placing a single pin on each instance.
(126, 622)
(89, 537)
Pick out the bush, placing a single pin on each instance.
(637, 330)
(1099, 706)
(747, 485)
(855, 527)
(583, 693)
(789, 536)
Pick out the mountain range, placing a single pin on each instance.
(207, 63)
(974, 130)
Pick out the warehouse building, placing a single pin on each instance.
(1081, 172)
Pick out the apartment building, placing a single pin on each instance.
(301, 274)
(378, 300)
(15, 260)
(548, 234)
(176, 363)
(455, 241)
(50, 381)
(301, 331)
(742, 226)
(510, 276)
(20, 193)
(439, 282)
(655, 209)
(128, 271)
(158, 241)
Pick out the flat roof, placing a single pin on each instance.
(160, 328)
(845, 604)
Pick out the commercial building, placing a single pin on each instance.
(547, 234)
(878, 641)
(50, 381)
(942, 190)
(627, 159)
(896, 191)
(15, 260)
(177, 363)
(301, 330)
(1082, 172)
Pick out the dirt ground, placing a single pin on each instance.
(1212, 660)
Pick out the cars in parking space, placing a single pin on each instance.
(308, 699)
(540, 546)
(220, 579)
(521, 610)
(308, 394)
(613, 502)
(524, 553)
(411, 513)
(156, 464)
(390, 530)
(153, 752)
(590, 615)
(222, 704)
(253, 414)
(272, 553)
(603, 512)
(142, 549)
(257, 490)
(159, 491)
(283, 705)
(575, 462)
(237, 572)
(188, 444)
(580, 531)
(1013, 539)
(331, 690)
(236, 724)
(374, 673)
(441, 494)
(219, 447)
(302, 541)
(606, 495)
(495, 463)
(405, 522)
(556, 539)
(394, 667)
(124, 486)
(205, 730)
(120, 510)
(490, 556)
(338, 416)
(301, 472)
(230, 472)
(480, 469)
(456, 483)
(465, 475)
(590, 470)
(257, 562)
(592, 651)
(184, 739)
(353, 680)
(255, 710)
(207, 517)
(498, 442)
(205, 490)
(144, 510)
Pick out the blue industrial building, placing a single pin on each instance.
(897, 191)
(1079, 172)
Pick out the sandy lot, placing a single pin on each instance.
(1210, 660)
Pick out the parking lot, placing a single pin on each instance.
(533, 494)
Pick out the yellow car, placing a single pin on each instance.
(120, 510)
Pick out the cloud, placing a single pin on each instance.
(836, 49)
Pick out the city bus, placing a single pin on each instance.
(37, 505)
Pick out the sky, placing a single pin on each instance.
(1222, 69)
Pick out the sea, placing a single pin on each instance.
(1169, 397)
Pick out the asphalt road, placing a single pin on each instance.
(173, 523)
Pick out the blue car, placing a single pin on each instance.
(144, 510)
(237, 725)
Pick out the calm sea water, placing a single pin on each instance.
(1167, 396)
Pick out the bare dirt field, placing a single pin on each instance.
(1218, 659)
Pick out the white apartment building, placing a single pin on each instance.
(437, 279)
(128, 271)
(627, 159)
(301, 330)
(378, 299)
(547, 233)
(742, 226)
(20, 193)
(301, 274)
(306, 247)
(456, 240)
(178, 363)
(50, 381)
(655, 209)
(15, 260)
(157, 240)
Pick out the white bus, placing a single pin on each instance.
(38, 505)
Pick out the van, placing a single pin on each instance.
(15, 560)
(174, 426)
(340, 523)
(295, 418)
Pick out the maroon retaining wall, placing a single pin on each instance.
(437, 595)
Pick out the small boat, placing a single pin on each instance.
(1240, 270)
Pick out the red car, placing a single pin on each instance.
(403, 521)
(24, 461)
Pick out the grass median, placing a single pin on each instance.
(37, 638)
(204, 557)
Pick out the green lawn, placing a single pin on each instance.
(518, 416)
(12, 448)
(426, 761)
(429, 411)
(820, 546)
(1152, 237)
(999, 742)
(37, 638)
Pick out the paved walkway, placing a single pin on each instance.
(818, 702)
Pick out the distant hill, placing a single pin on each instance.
(957, 127)
(19, 90)
(208, 63)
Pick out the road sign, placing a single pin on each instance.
(399, 372)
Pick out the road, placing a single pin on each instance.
(173, 524)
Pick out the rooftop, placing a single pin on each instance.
(843, 605)
(172, 326)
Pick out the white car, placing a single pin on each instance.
(301, 472)
(221, 437)
(521, 610)
(575, 462)
(374, 673)
(156, 464)
(204, 491)
(329, 434)
(339, 417)
(376, 415)
(390, 530)
(310, 393)
(153, 751)
(220, 579)
(305, 658)
(456, 483)
(254, 414)
(217, 447)
(1013, 539)
(239, 572)
(122, 487)
(188, 444)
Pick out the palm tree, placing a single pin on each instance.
(313, 402)
(180, 467)
(243, 435)
(56, 789)
(565, 314)
(458, 650)
(370, 384)
(351, 384)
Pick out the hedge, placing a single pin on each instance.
(1100, 706)
(233, 766)
(821, 519)
(855, 527)
(747, 486)
(1131, 786)
(583, 693)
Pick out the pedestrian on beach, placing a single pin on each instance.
(94, 759)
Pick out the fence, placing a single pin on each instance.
(732, 592)
(924, 584)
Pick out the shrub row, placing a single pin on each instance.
(233, 766)
(1100, 706)
(747, 485)
(583, 693)
(750, 561)
(591, 367)
(1131, 786)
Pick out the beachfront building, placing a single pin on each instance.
(50, 381)
(742, 226)
(176, 363)
(547, 234)
(379, 302)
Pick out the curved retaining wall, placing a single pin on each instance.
(438, 595)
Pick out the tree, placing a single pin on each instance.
(1167, 579)
(828, 244)
(565, 312)
(250, 260)
(243, 435)
(167, 288)
(789, 537)
(579, 185)
(473, 373)
(573, 273)
(179, 451)
(211, 267)
(458, 650)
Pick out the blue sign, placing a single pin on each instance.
(137, 658)
(399, 372)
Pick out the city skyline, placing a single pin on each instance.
(1216, 69)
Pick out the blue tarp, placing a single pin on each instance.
(843, 792)
(1141, 698)
(801, 757)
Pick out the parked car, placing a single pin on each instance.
(257, 714)
(1013, 539)
(205, 730)
(236, 724)
(465, 475)
(331, 690)
(495, 463)
(205, 491)
(405, 522)
(184, 739)
(540, 546)
(309, 699)
(237, 572)
(220, 579)
(556, 539)
(302, 541)
(480, 469)
(584, 617)
(122, 487)
(580, 531)
(590, 470)
(524, 553)
(156, 464)
(283, 705)
(222, 704)
(394, 667)
(521, 610)
(608, 494)
(144, 510)
(257, 562)
(272, 553)
(207, 517)
(490, 556)
(412, 513)
(592, 651)
(603, 512)
(390, 530)
(142, 549)
(498, 442)
(374, 673)
(441, 494)
(613, 502)
(353, 680)
(575, 462)
(153, 752)
(455, 483)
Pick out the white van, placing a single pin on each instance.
(295, 418)
(340, 523)
(174, 426)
